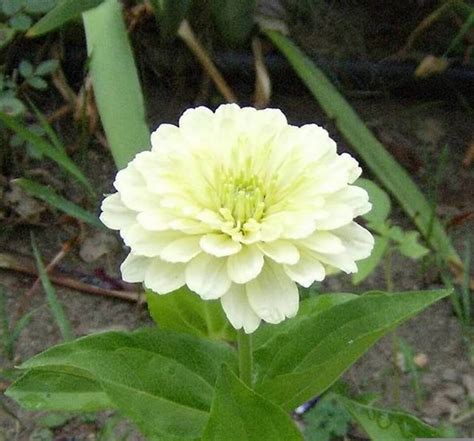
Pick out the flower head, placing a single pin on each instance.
(239, 205)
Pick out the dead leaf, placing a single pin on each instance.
(97, 245)
(27, 207)
(431, 65)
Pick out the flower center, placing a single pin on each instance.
(243, 196)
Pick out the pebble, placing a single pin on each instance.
(468, 383)
(450, 374)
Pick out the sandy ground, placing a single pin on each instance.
(418, 134)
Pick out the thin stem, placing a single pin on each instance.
(395, 342)
(388, 271)
(245, 357)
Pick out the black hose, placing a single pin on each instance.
(356, 75)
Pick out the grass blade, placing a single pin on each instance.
(52, 135)
(64, 11)
(116, 86)
(5, 324)
(384, 166)
(47, 149)
(56, 307)
(46, 194)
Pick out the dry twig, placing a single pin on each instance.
(25, 265)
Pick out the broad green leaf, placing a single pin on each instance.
(394, 178)
(238, 413)
(11, 106)
(115, 80)
(366, 266)
(39, 6)
(381, 205)
(305, 361)
(184, 311)
(59, 389)
(25, 68)
(53, 420)
(411, 247)
(20, 22)
(37, 83)
(161, 380)
(326, 421)
(170, 14)
(234, 20)
(46, 149)
(64, 11)
(46, 67)
(54, 304)
(6, 35)
(388, 425)
(11, 7)
(49, 196)
(310, 307)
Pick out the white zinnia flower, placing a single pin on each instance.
(239, 205)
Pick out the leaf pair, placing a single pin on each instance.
(174, 386)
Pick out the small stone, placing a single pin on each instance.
(430, 380)
(440, 405)
(468, 383)
(454, 392)
(450, 375)
(421, 360)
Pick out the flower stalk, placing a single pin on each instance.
(245, 357)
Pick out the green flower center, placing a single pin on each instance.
(243, 196)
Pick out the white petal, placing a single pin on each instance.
(207, 276)
(182, 250)
(273, 295)
(337, 215)
(351, 165)
(164, 277)
(270, 230)
(307, 270)
(245, 265)
(324, 242)
(147, 243)
(356, 197)
(315, 141)
(237, 309)
(341, 261)
(166, 135)
(196, 124)
(115, 214)
(134, 268)
(295, 225)
(280, 251)
(219, 245)
(154, 219)
(133, 190)
(358, 241)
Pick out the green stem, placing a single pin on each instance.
(245, 357)
(395, 342)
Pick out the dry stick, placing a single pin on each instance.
(263, 84)
(186, 33)
(469, 156)
(75, 102)
(26, 266)
(59, 113)
(65, 248)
